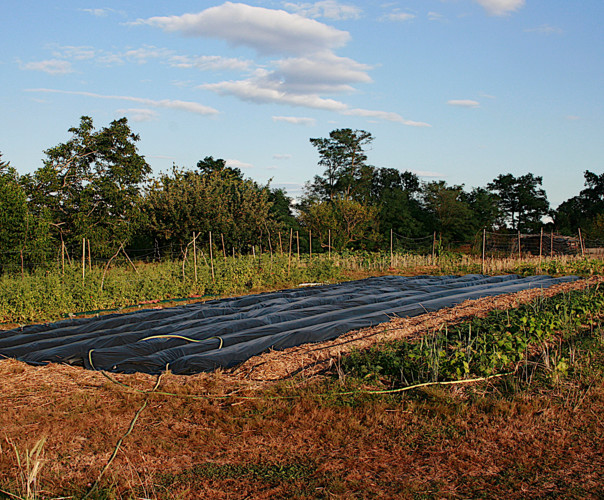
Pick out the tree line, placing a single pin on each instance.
(97, 187)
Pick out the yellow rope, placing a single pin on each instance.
(168, 336)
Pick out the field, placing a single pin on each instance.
(495, 398)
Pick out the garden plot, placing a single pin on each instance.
(224, 333)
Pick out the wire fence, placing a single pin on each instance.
(207, 247)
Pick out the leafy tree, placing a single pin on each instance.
(484, 206)
(343, 158)
(522, 201)
(13, 214)
(89, 186)
(350, 223)
(584, 211)
(187, 201)
(450, 214)
(395, 194)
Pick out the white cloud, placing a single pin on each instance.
(321, 73)
(237, 164)
(330, 9)
(138, 114)
(77, 53)
(463, 103)
(500, 7)
(278, 156)
(191, 107)
(209, 63)
(399, 16)
(545, 29)
(146, 53)
(256, 90)
(50, 66)
(573, 118)
(268, 31)
(296, 120)
(98, 12)
(435, 16)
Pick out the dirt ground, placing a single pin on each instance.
(238, 434)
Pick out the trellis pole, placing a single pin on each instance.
(484, 244)
(211, 257)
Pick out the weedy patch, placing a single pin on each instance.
(538, 332)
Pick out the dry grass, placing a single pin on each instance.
(239, 434)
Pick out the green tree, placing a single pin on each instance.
(450, 214)
(484, 206)
(187, 201)
(89, 186)
(584, 211)
(344, 159)
(348, 222)
(522, 201)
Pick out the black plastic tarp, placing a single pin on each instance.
(223, 333)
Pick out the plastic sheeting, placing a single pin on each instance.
(223, 333)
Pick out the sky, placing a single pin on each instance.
(453, 90)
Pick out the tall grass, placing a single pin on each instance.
(49, 294)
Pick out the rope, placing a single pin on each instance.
(121, 440)
(168, 336)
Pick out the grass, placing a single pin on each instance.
(537, 433)
(50, 294)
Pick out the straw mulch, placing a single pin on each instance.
(310, 360)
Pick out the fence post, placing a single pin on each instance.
(329, 243)
(551, 245)
(540, 249)
(309, 244)
(391, 254)
(289, 259)
(62, 255)
(433, 247)
(581, 243)
(211, 257)
(223, 247)
(519, 248)
(484, 242)
(195, 255)
(298, 244)
(83, 259)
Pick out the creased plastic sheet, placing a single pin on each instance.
(223, 333)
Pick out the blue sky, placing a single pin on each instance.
(458, 90)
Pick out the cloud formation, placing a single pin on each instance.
(295, 120)
(500, 7)
(329, 9)
(191, 107)
(268, 31)
(463, 103)
(545, 29)
(50, 66)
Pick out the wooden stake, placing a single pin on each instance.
(22, 271)
(195, 255)
(83, 259)
(484, 241)
(540, 249)
(223, 247)
(434, 246)
(329, 242)
(551, 244)
(89, 258)
(280, 244)
(289, 259)
(519, 247)
(391, 253)
(298, 243)
(62, 255)
(581, 243)
(211, 257)
(310, 243)
(128, 258)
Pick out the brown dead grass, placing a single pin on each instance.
(439, 443)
